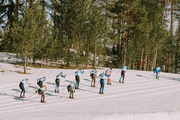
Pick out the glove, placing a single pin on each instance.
(63, 76)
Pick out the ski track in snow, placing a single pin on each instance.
(139, 87)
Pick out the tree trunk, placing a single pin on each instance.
(124, 55)
(41, 60)
(129, 62)
(145, 62)
(155, 57)
(106, 13)
(167, 62)
(178, 38)
(114, 43)
(8, 25)
(67, 56)
(141, 64)
(171, 17)
(152, 67)
(177, 59)
(87, 54)
(27, 63)
(17, 7)
(122, 39)
(25, 57)
(95, 53)
(118, 48)
(149, 65)
(34, 59)
(25, 60)
(77, 56)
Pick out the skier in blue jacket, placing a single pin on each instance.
(40, 81)
(157, 70)
(57, 81)
(123, 73)
(77, 77)
(22, 86)
(102, 77)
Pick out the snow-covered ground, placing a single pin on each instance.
(142, 97)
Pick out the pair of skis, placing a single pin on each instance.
(29, 98)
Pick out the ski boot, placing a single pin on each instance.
(71, 97)
(43, 101)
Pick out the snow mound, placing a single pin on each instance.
(9, 58)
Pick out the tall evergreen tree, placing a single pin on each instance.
(28, 33)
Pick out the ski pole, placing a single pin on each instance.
(30, 96)
(35, 97)
(97, 83)
(150, 75)
(61, 96)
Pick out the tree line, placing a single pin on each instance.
(92, 33)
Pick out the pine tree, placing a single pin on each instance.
(28, 33)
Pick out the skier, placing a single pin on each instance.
(102, 77)
(21, 85)
(123, 73)
(77, 77)
(157, 70)
(93, 75)
(40, 81)
(108, 73)
(57, 81)
(41, 91)
(71, 90)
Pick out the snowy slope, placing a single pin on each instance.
(142, 97)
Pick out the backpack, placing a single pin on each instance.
(40, 83)
(57, 80)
